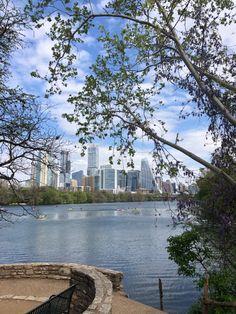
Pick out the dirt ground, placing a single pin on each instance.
(17, 296)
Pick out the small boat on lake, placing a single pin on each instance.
(120, 209)
(41, 217)
(38, 214)
(136, 211)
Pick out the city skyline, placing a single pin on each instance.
(99, 178)
(104, 177)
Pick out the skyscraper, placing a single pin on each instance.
(133, 180)
(43, 172)
(121, 180)
(65, 169)
(108, 178)
(78, 176)
(147, 179)
(93, 160)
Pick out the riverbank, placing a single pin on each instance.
(52, 196)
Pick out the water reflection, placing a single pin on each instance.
(104, 235)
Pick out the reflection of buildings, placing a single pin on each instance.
(93, 160)
(148, 182)
(42, 171)
(65, 169)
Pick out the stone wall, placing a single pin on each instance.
(93, 293)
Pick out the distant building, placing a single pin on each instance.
(133, 180)
(42, 171)
(97, 182)
(78, 177)
(121, 180)
(91, 183)
(88, 183)
(193, 189)
(167, 187)
(159, 184)
(93, 160)
(65, 170)
(73, 185)
(181, 188)
(147, 179)
(108, 178)
(174, 189)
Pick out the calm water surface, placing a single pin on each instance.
(131, 240)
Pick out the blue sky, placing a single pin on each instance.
(36, 54)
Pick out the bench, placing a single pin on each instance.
(57, 304)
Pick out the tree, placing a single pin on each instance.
(207, 244)
(24, 124)
(158, 42)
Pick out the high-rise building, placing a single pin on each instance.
(108, 178)
(147, 179)
(97, 182)
(121, 180)
(93, 160)
(159, 183)
(167, 187)
(43, 172)
(78, 176)
(65, 169)
(193, 189)
(181, 187)
(73, 185)
(133, 180)
(90, 183)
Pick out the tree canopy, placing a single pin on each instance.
(157, 43)
(24, 122)
(207, 245)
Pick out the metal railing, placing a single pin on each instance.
(57, 304)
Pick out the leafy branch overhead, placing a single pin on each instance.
(157, 43)
(24, 123)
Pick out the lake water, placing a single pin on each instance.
(132, 240)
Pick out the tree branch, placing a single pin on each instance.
(152, 134)
(216, 79)
(211, 97)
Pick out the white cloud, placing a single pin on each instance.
(195, 141)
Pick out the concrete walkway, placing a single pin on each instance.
(17, 296)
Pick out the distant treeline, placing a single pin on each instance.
(50, 196)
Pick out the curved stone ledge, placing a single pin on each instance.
(93, 293)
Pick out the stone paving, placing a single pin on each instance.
(17, 296)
